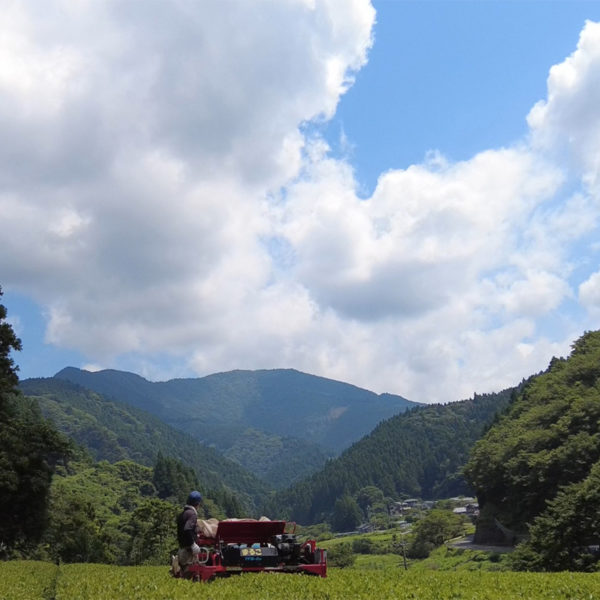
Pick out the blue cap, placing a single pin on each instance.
(194, 497)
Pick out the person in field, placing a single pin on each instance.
(187, 527)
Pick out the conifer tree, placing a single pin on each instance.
(30, 449)
(8, 342)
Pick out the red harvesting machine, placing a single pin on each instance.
(242, 546)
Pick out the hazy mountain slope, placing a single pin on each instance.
(418, 453)
(280, 461)
(114, 431)
(221, 408)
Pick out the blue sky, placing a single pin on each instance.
(456, 76)
(393, 194)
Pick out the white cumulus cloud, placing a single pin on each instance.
(162, 201)
(568, 121)
(589, 293)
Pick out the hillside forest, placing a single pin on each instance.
(87, 476)
(279, 424)
(537, 470)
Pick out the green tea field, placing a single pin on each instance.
(26, 580)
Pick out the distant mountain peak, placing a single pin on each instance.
(284, 402)
(70, 371)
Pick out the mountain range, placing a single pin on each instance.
(233, 429)
(417, 453)
(279, 424)
(530, 453)
(114, 431)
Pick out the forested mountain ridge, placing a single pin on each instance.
(417, 453)
(534, 462)
(537, 470)
(113, 431)
(296, 420)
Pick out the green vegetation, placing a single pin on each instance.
(108, 513)
(302, 419)
(57, 503)
(112, 513)
(446, 558)
(102, 582)
(379, 542)
(341, 556)
(378, 562)
(537, 469)
(278, 460)
(27, 580)
(418, 453)
(346, 514)
(8, 342)
(109, 492)
(113, 431)
(30, 450)
(430, 532)
(566, 534)
(320, 531)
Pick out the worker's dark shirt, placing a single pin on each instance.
(186, 526)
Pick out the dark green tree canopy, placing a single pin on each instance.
(8, 342)
(565, 536)
(420, 453)
(30, 448)
(437, 527)
(173, 480)
(532, 462)
(346, 514)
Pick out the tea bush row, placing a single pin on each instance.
(103, 582)
(27, 580)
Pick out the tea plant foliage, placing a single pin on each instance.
(104, 582)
